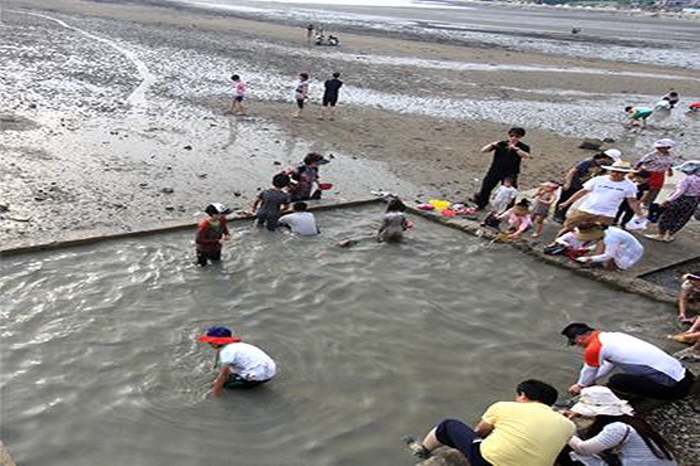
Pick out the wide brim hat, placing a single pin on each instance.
(550, 184)
(592, 234)
(690, 167)
(619, 166)
(601, 401)
(670, 143)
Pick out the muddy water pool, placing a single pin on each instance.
(100, 363)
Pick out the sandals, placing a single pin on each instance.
(681, 338)
(418, 450)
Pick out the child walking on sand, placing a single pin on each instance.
(518, 218)
(271, 202)
(211, 234)
(394, 222)
(301, 92)
(545, 196)
(239, 92)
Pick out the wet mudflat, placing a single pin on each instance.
(100, 362)
(114, 113)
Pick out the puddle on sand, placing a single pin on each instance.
(372, 342)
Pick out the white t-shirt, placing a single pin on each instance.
(301, 223)
(620, 246)
(605, 195)
(503, 197)
(248, 361)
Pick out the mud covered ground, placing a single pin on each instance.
(113, 115)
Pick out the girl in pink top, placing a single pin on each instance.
(239, 92)
(518, 218)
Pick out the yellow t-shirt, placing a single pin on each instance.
(524, 434)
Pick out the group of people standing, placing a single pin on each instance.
(301, 94)
(614, 197)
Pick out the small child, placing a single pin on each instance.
(673, 97)
(502, 198)
(271, 202)
(301, 222)
(301, 92)
(518, 218)
(239, 92)
(394, 223)
(211, 234)
(545, 196)
(637, 116)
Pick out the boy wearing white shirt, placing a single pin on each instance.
(300, 222)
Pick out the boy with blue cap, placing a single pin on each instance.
(240, 365)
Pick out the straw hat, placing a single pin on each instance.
(589, 234)
(601, 401)
(619, 166)
(550, 184)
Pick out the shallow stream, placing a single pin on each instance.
(100, 363)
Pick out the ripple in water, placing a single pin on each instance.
(372, 342)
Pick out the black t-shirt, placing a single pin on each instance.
(332, 87)
(505, 160)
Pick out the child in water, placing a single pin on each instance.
(544, 198)
(211, 234)
(518, 218)
(394, 223)
(271, 202)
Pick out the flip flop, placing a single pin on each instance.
(656, 238)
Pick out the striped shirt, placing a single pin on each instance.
(633, 452)
(656, 162)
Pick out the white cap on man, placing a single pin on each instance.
(613, 154)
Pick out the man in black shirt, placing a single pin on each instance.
(506, 163)
(330, 96)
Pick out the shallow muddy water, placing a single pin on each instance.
(100, 363)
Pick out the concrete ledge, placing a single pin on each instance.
(91, 238)
(613, 279)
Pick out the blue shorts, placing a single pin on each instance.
(456, 434)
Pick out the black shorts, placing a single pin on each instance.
(204, 257)
(456, 434)
(330, 100)
(300, 103)
(238, 98)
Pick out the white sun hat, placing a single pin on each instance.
(601, 401)
(613, 154)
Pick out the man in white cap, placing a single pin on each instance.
(579, 174)
(603, 196)
(659, 164)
